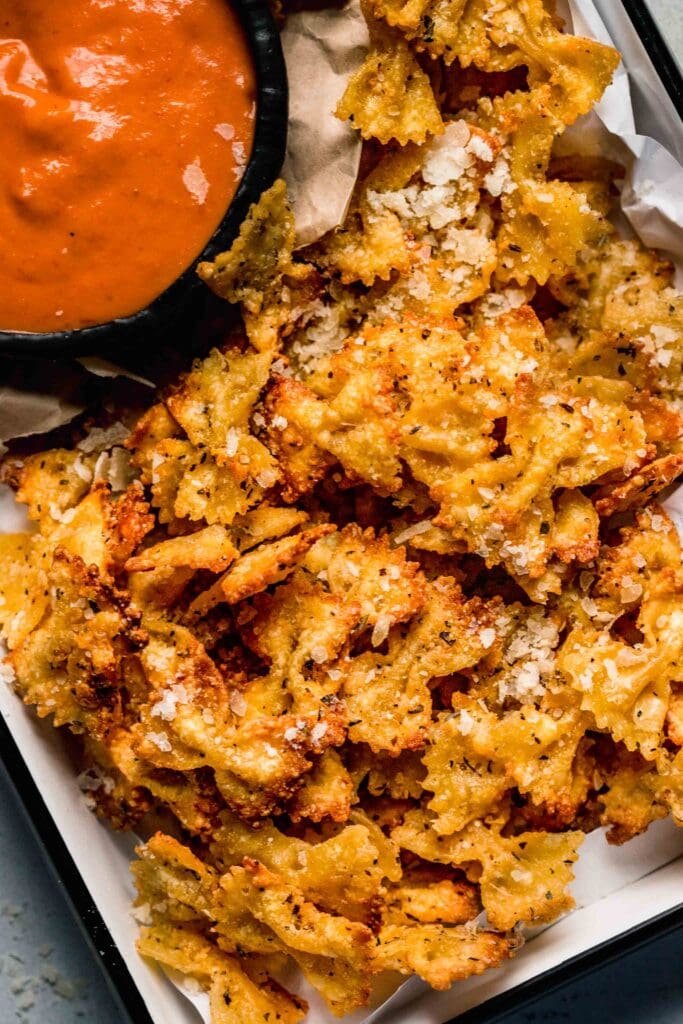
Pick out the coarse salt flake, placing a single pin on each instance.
(381, 629)
(318, 731)
(166, 707)
(465, 722)
(7, 674)
(487, 637)
(237, 703)
(232, 442)
(160, 740)
(413, 531)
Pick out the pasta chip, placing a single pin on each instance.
(69, 666)
(387, 695)
(373, 604)
(522, 878)
(210, 548)
(390, 96)
(321, 943)
(327, 792)
(631, 803)
(23, 587)
(51, 484)
(258, 270)
(428, 896)
(627, 688)
(441, 955)
(232, 993)
(258, 569)
(342, 874)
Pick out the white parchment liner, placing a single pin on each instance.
(616, 889)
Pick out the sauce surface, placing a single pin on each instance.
(126, 125)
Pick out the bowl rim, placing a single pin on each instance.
(264, 165)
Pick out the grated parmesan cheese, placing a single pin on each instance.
(166, 708)
(499, 181)
(487, 637)
(160, 740)
(237, 703)
(266, 478)
(530, 657)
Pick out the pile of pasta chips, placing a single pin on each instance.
(375, 609)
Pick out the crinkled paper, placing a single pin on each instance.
(616, 889)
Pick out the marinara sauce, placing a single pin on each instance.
(126, 125)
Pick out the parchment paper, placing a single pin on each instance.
(31, 406)
(322, 49)
(616, 888)
(653, 187)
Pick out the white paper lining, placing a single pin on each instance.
(616, 888)
(651, 196)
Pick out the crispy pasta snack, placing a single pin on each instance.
(375, 608)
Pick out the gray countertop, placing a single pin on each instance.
(669, 14)
(49, 976)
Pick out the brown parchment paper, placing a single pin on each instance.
(322, 48)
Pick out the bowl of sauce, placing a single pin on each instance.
(136, 134)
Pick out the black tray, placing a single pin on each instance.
(96, 932)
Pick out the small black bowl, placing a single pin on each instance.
(267, 155)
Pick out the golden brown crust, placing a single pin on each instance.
(375, 601)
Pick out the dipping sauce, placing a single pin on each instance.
(126, 126)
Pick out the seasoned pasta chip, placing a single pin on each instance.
(342, 874)
(427, 895)
(327, 792)
(626, 688)
(51, 484)
(319, 942)
(441, 955)
(522, 878)
(387, 695)
(259, 568)
(390, 96)
(23, 587)
(70, 665)
(214, 401)
(631, 802)
(210, 548)
(373, 607)
(259, 272)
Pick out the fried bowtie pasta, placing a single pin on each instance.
(375, 605)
